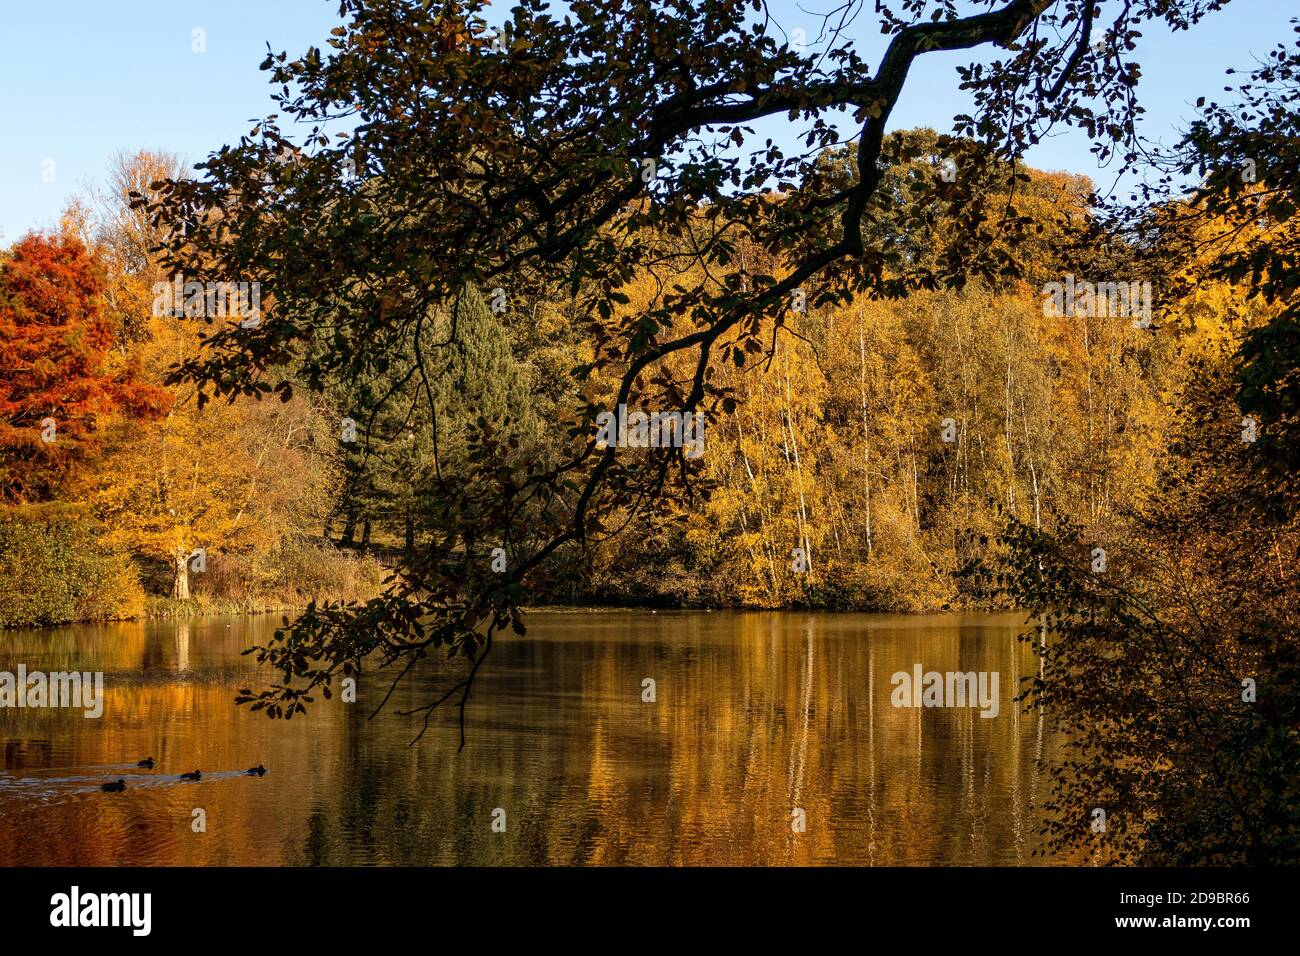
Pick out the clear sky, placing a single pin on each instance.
(83, 79)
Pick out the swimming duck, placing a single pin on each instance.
(258, 771)
(113, 787)
(147, 763)
(192, 776)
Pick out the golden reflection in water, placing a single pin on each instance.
(756, 714)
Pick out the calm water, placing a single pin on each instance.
(756, 714)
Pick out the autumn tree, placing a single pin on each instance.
(124, 237)
(227, 479)
(62, 375)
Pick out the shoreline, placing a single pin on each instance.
(165, 609)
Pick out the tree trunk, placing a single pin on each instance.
(866, 431)
(1033, 469)
(805, 541)
(1011, 447)
(181, 576)
(764, 522)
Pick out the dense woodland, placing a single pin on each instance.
(837, 447)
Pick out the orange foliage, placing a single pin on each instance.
(60, 377)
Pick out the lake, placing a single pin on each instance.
(756, 716)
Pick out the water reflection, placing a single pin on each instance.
(755, 714)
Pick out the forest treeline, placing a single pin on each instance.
(871, 448)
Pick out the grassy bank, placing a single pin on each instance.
(166, 608)
(55, 568)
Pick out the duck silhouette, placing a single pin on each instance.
(113, 787)
(258, 771)
(146, 763)
(192, 776)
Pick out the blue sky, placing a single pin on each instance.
(83, 79)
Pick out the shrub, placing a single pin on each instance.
(55, 569)
(298, 572)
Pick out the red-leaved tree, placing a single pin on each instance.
(58, 377)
